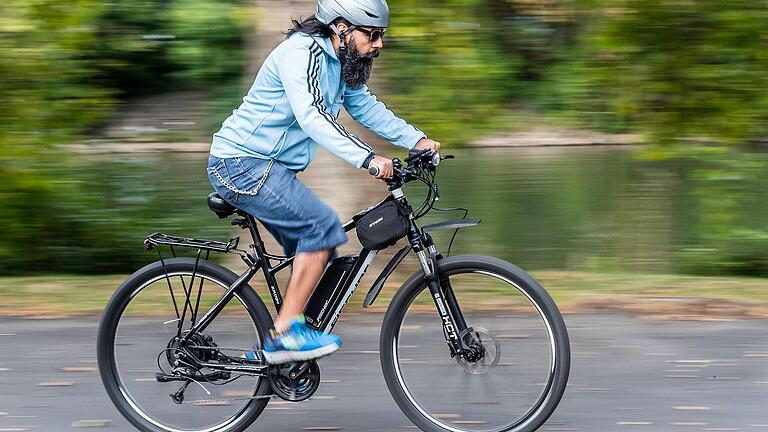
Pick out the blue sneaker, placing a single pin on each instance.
(300, 342)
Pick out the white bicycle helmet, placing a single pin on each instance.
(366, 13)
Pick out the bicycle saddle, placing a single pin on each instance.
(217, 204)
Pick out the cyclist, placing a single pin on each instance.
(292, 106)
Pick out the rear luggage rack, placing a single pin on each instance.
(158, 239)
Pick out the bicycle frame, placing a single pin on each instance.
(259, 259)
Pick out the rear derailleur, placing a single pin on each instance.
(188, 375)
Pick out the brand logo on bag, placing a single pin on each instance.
(370, 225)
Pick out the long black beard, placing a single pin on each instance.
(356, 70)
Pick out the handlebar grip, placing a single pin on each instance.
(374, 171)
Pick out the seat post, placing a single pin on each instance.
(263, 260)
(254, 230)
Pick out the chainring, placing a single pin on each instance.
(295, 381)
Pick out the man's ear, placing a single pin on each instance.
(341, 27)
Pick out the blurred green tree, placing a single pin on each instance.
(152, 46)
(45, 82)
(730, 235)
(63, 68)
(209, 42)
(675, 71)
(444, 69)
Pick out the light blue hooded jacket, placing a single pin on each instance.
(293, 105)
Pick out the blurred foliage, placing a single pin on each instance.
(731, 233)
(46, 84)
(64, 67)
(209, 35)
(133, 40)
(151, 45)
(675, 71)
(442, 61)
(670, 69)
(92, 216)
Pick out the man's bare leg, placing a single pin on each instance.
(307, 269)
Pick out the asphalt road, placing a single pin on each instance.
(627, 375)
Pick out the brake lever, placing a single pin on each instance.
(413, 156)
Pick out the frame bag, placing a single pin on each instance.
(383, 226)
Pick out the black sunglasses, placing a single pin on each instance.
(374, 35)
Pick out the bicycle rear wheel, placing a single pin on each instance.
(522, 374)
(136, 340)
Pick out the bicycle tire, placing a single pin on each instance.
(457, 265)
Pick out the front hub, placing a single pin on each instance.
(482, 351)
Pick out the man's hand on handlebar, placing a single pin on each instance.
(426, 143)
(382, 166)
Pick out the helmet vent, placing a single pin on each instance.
(371, 15)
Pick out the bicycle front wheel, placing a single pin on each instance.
(521, 375)
(137, 339)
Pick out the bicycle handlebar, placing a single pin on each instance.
(414, 156)
(398, 170)
(417, 160)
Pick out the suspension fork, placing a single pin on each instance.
(445, 284)
(453, 304)
(445, 301)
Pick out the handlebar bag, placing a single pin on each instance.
(383, 226)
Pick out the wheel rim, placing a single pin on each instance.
(429, 382)
(142, 333)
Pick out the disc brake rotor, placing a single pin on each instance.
(484, 345)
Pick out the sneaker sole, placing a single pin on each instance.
(279, 357)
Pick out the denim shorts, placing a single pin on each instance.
(271, 193)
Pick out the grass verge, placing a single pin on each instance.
(667, 296)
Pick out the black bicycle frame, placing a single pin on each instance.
(440, 289)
